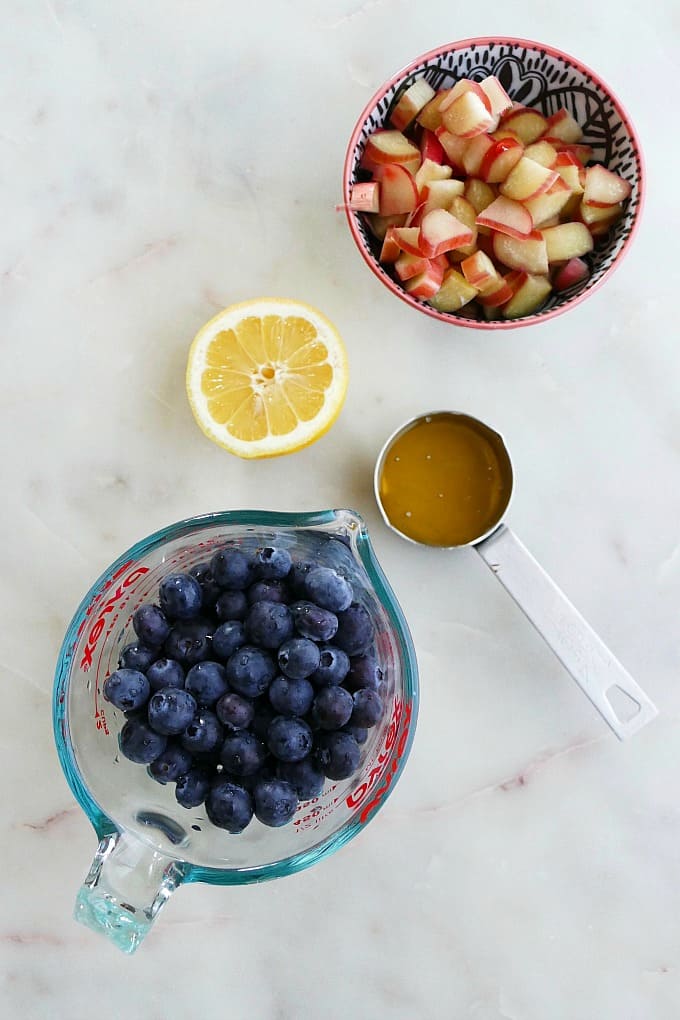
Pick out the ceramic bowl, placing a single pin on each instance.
(534, 75)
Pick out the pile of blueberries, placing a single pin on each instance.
(253, 680)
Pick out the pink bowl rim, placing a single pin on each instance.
(529, 320)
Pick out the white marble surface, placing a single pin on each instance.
(162, 159)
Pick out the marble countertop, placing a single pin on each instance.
(161, 160)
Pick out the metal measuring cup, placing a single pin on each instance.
(591, 664)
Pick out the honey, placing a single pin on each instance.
(445, 480)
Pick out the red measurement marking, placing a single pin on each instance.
(100, 720)
(100, 624)
(377, 771)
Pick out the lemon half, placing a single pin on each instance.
(266, 377)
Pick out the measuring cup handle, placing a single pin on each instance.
(597, 672)
(125, 888)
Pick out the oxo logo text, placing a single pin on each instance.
(120, 581)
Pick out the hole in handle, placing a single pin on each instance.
(624, 704)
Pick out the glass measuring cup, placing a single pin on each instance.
(148, 844)
(489, 482)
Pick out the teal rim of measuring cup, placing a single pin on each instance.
(100, 821)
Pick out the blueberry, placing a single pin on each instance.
(342, 537)
(165, 673)
(234, 711)
(337, 754)
(250, 671)
(269, 624)
(127, 689)
(289, 739)
(231, 568)
(229, 636)
(368, 708)
(137, 656)
(312, 621)
(173, 762)
(304, 776)
(189, 642)
(229, 806)
(333, 667)
(297, 575)
(275, 802)
(207, 681)
(171, 710)
(250, 782)
(332, 707)
(264, 713)
(271, 590)
(243, 754)
(364, 671)
(210, 589)
(231, 605)
(355, 630)
(272, 562)
(180, 596)
(298, 658)
(328, 589)
(360, 733)
(204, 734)
(151, 625)
(192, 787)
(291, 696)
(139, 743)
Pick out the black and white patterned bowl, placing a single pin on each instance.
(535, 75)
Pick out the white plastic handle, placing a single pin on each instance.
(597, 672)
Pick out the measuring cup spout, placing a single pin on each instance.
(125, 889)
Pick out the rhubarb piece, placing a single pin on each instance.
(391, 249)
(440, 194)
(365, 197)
(547, 206)
(429, 170)
(527, 124)
(479, 194)
(440, 232)
(542, 152)
(529, 254)
(562, 125)
(527, 179)
(567, 241)
(410, 103)
(604, 189)
(398, 191)
(499, 100)
(387, 146)
(572, 272)
(426, 284)
(530, 293)
(507, 216)
(475, 152)
(497, 162)
(430, 117)
(497, 293)
(479, 271)
(379, 225)
(454, 147)
(467, 115)
(464, 211)
(407, 265)
(408, 239)
(453, 293)
(599, 219)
